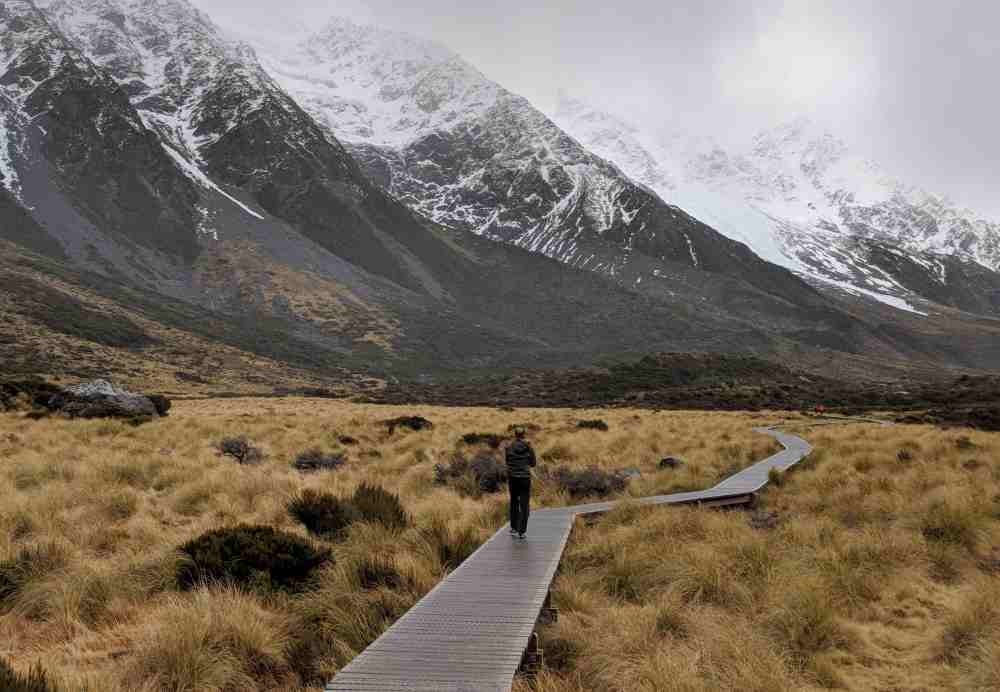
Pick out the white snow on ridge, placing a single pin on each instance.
(372, 86)
(796, 196)
(8, 173)
(194, 173)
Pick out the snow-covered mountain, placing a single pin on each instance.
(802, 199)
(151, 158)
(465, 152)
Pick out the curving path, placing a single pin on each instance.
(474, 629)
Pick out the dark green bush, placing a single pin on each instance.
(323, 514)
(592, 425)
(161, 403)
(35, 681)
(589, 482)
(375, 503)
(240, 449)
(316, 460)
(415, 423)
(257, 556)
(484, 474)
(490, 439)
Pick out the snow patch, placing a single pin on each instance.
(195, 174)
(8, 173)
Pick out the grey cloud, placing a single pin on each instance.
(911, 83)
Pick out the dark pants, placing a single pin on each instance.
(520, 500)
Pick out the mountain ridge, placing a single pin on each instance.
(799, 197)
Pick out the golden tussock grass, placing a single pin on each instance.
(864, 581)
(865, 569)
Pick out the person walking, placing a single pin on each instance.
(520, 461)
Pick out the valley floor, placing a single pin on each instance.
(874, 567)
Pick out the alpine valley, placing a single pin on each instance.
(349, 206)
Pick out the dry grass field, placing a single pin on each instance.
(873, 573)
(872, 567)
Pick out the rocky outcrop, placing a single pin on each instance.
(102, 399)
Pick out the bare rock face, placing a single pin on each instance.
(102, 399)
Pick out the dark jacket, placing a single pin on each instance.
(520, 459)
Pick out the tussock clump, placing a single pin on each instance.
(950, 522)
(217, 640)
(805, 620)
(595, 424)
(323, 514)
(590, 482)
(975, 621)
(376, 504)
(378, 570)
(256, 556)
(35, 681)
(776, 478)
(315, 460)
(28, 565)
(240, 449)
(452, 546)
(414, 423)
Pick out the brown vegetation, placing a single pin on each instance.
(94, 516)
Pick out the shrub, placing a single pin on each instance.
(596, 424)
(316, 460)
(456, 468)
(964, 443)
(161, 403)
(415, 423)
(490, 439)
(252, 556)
(588, 482)
(490, 474)
(29, 564)
(322, 514)
(375, 503)
(240, 449)
(904, 456)
(35, 681)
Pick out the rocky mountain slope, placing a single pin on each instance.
(464, 152)
(144, 150)
(801, 198)
(172, 205)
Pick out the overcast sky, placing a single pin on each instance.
(912, 83)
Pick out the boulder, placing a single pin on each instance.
(630, 473)
(101, 399)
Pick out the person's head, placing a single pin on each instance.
(519, 433)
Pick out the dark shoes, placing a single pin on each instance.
(523, 536)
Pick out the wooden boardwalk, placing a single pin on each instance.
(471, 632)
